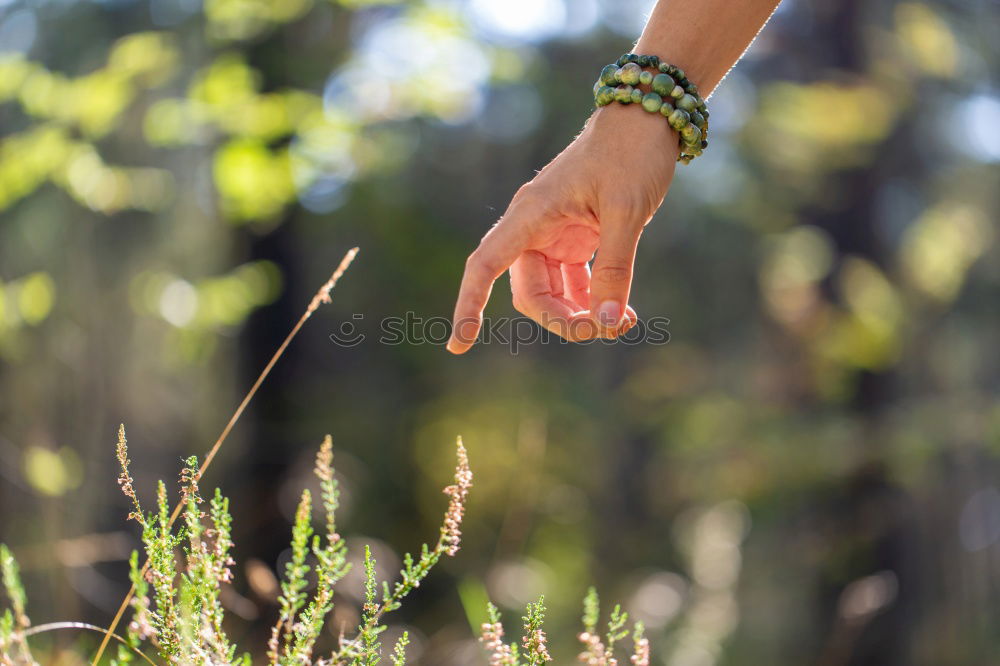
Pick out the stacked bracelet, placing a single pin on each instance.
(670, 94)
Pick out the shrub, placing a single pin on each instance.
(176, 608)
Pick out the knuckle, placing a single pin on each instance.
(481, 262)
(527, 192)
(627, 209)
(533, 198)
(614, 273)
(472, 261)
(621, 202)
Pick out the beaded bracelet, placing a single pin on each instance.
(688, 114)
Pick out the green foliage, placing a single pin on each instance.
(365, 649)
(300, 624)
(14, 621)
(369, 628)
(331, 559)
(222, 102)
(501, 653)
(591, 610)
(12, 584)
(534, 640)
(534, 637)
(616, 628)
(139, 629)
(292, 597)
(177, 603)
(160, 542)
(640, 646)
(184, 618)
(177, 607)
(399, 650)
(6, 631)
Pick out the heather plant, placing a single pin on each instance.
(177, 610)
(176, 607)
(533, 650)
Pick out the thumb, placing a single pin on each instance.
(611, 277)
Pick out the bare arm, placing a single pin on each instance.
(599, 193)
(704, 38)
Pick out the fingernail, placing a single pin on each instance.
(609, 313)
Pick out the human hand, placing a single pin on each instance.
(595, 196)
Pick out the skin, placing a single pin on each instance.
(595, 198)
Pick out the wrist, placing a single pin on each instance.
(621, 119)
(619, 124)
(666, 90)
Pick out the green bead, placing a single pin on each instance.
(608, 74)
(631, 73)
(664, 68)
(597, 84)
(623, 94)
(618, 75)
(680, 73)
(677, 92)
(688, 103)
(654, 62)
(683, 82)
(643, 61)
(605, 95)
(646, 78)
(692, 89)
(632, 57)
(652, 102)
(636, 96)
(666, 109)
(698, 120)
(623, 60)
(673, 71)
(662, 84)
(691, 135)
(679, 119)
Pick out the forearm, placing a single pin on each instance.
(704, 38)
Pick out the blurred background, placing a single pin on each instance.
(806, 473)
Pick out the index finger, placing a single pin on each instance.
(496, 252)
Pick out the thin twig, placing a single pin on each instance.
(54, 626)
(322, 296)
